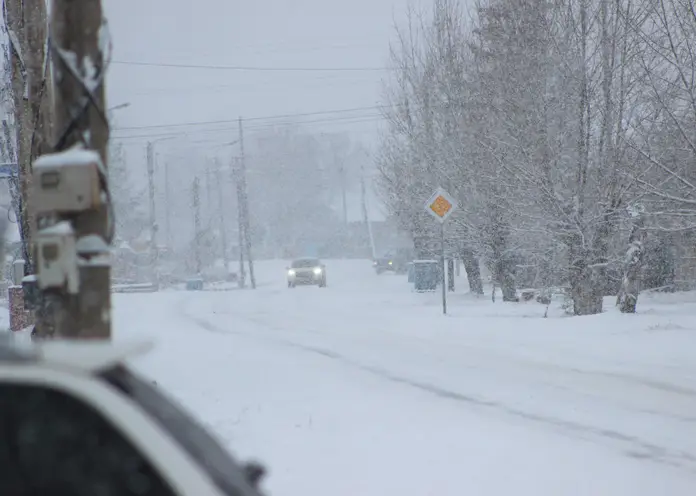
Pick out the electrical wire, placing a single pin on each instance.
(269, 125)
(250, 68)
(284, 46)
(322, 81)
(252, 119)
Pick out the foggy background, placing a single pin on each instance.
(309, 91)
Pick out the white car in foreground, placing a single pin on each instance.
(307, 272)
(74, 419)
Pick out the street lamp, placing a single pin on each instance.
(212, 144)
(119, 107)
(110, 111)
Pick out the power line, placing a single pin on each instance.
(325, 80)
(252, 119)
(268, 125)
(250, 68)
(289, 46)
(260, 126)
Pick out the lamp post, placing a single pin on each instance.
(110, 111)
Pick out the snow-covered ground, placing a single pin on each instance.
(364, 388)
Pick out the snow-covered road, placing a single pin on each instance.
(364, 388)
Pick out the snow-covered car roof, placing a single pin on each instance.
(85, 357)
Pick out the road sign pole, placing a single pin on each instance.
(441, 205)
(442, 268)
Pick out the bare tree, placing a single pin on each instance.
(27, 29)
(666, 142)
(631, 283)
(529, 117)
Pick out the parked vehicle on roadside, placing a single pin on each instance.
(396, 261)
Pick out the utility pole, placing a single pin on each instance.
(197, 222)
(245, 205)
(236, 167)
(76, 299)
(154, 257)
(366, 218)
(209, 193)
(221, 209)
(339, 162)
(167, 206)
(342, 171)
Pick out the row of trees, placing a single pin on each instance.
(129, 198)
(300, 186)
(565, 128)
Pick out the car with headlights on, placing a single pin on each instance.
(307, 272)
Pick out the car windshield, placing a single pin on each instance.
(305, 263)
(186, 431)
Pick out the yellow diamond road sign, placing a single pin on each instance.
(440, 205)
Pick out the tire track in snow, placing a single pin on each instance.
(628, 379)
(631, 446)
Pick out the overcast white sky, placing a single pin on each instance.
(257, 33)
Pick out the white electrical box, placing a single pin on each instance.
(66, 182)
(56, 256)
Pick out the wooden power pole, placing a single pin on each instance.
(196, 191)
(73, 234)
(221, 218)
(366, 217)
(154, 250)
(240, 220)
(344, 193)
(209, 200)
(244, 205)
(167, 206)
